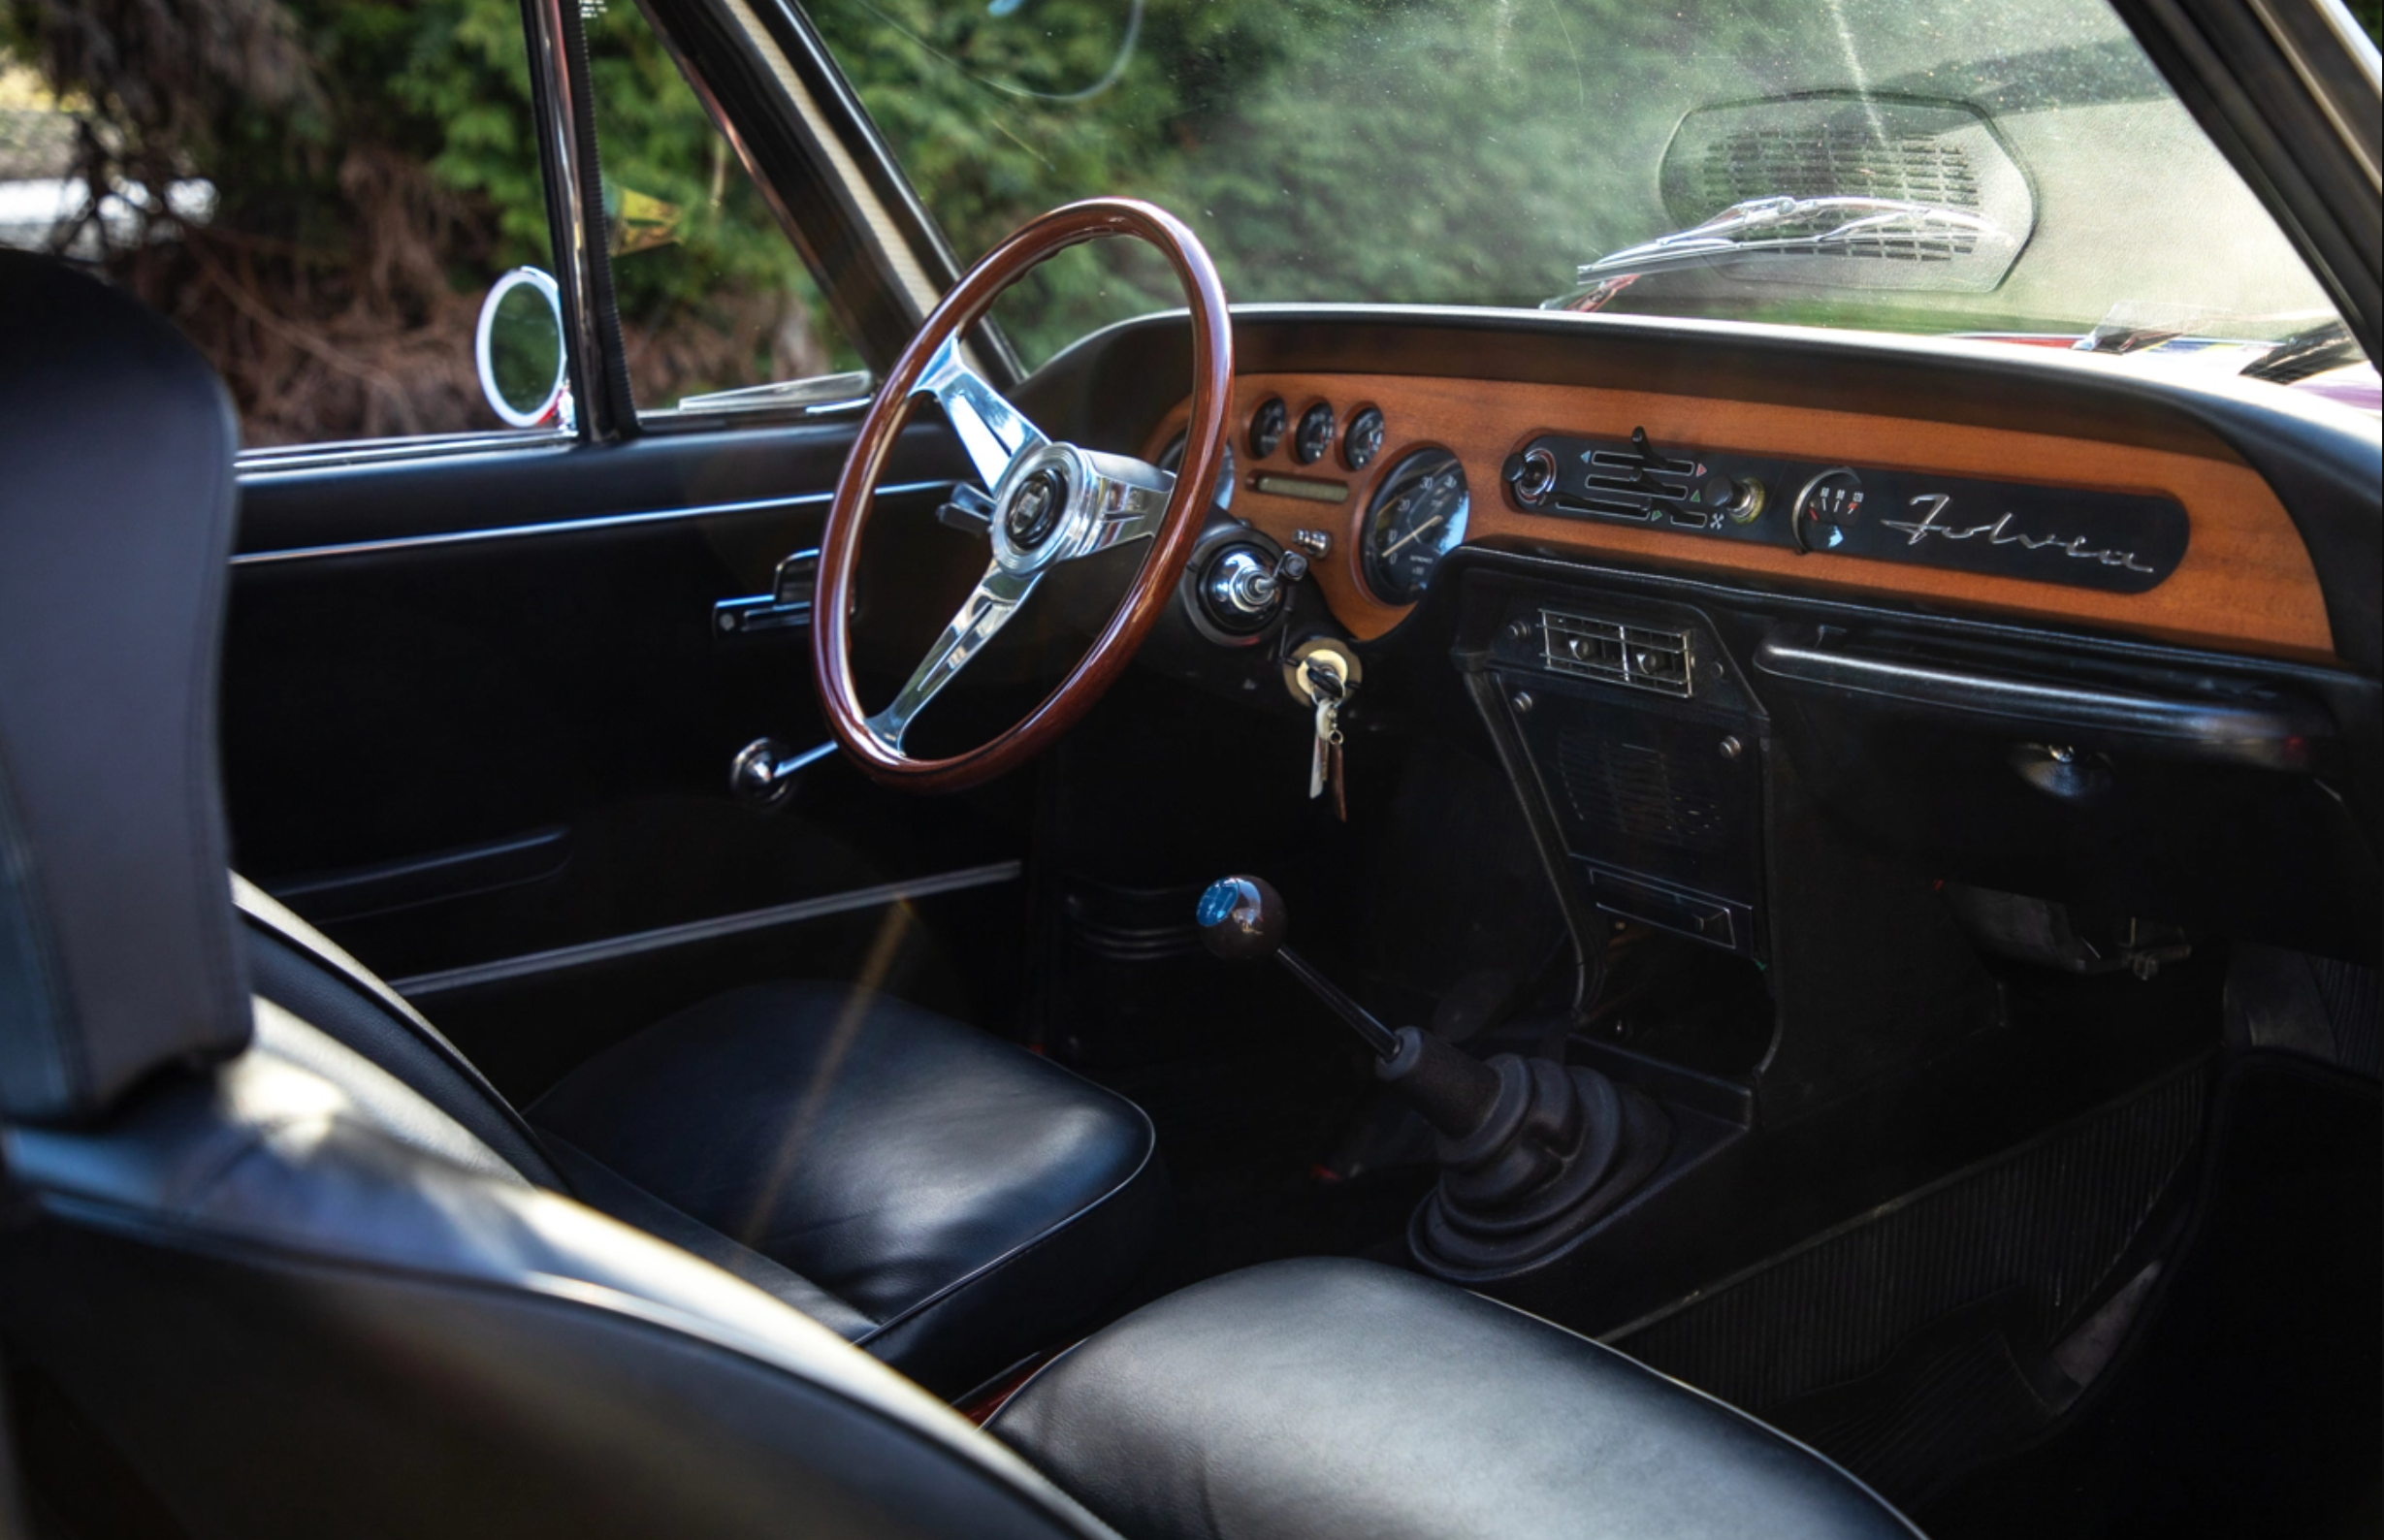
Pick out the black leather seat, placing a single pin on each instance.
(940, 1198)
(281, 1291)
(1325, 1397)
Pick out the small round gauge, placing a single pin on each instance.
(1315, 435)
(1363, 440)
(1227, 473)
(1831, 504)
(1417, 517)
(1266, 426)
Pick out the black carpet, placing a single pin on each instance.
(2250, 1398)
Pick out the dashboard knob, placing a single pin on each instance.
(1829, 505)
(1532, 475)
(1740, 498)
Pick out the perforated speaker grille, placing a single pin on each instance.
(1638, 792)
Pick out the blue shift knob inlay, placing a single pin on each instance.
(1218, 899)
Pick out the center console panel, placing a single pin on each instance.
(1643, 745)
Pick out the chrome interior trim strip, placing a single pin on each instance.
(273, 459)
(2272, 734)
(607, 521)
(640, 942)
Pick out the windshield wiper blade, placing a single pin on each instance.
(2304, 354)
(1782, 227)
(812, 394)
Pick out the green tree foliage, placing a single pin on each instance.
(371, 168)
(374, 163)
(1427, 152)
(1477, 152)
(374, 168)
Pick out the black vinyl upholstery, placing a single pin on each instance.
(290, 1293)
(304, 1305)
(946, 1199)
(302, 971)
(1309, 1399)
(970, 1200)
(115, 945)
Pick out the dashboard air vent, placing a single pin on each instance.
(1642, 657)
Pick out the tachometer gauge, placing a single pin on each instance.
(1227, 473)
(1417, 517)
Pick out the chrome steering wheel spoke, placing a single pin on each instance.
(1124, 499)
(986, 610)
(993, 431)
(1053, 504)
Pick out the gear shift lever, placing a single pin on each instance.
(1532, 1151)
(1243, 918)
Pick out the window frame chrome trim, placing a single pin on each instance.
(604, 521)
(335, 453)
(558, 101)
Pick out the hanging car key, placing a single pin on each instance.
(1322, 676)
(1325, 688)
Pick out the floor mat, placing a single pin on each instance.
(2044, 1225)
(2250, 1398)
(1959, 1393)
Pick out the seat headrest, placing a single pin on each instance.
(116, 508)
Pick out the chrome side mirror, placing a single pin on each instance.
(524, 372)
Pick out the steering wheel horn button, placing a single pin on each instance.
(1034, 508)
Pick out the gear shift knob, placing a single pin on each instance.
(1242, 917)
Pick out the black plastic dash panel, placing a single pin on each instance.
(2117, 542)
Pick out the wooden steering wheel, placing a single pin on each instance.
(1052, 502)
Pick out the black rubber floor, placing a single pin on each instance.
(1912, 1342)
(2249, 1398)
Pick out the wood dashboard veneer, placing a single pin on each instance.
(2246, 584)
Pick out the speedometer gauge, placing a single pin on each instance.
(1417, 517)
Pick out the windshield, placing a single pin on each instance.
(2013, 166)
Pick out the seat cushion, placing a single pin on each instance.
(967, 1199)
(1329, 1397)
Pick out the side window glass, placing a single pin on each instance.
(321, 195)
(718, 311)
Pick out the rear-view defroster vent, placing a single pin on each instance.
(1836, 161)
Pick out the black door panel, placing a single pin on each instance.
(476, 710)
